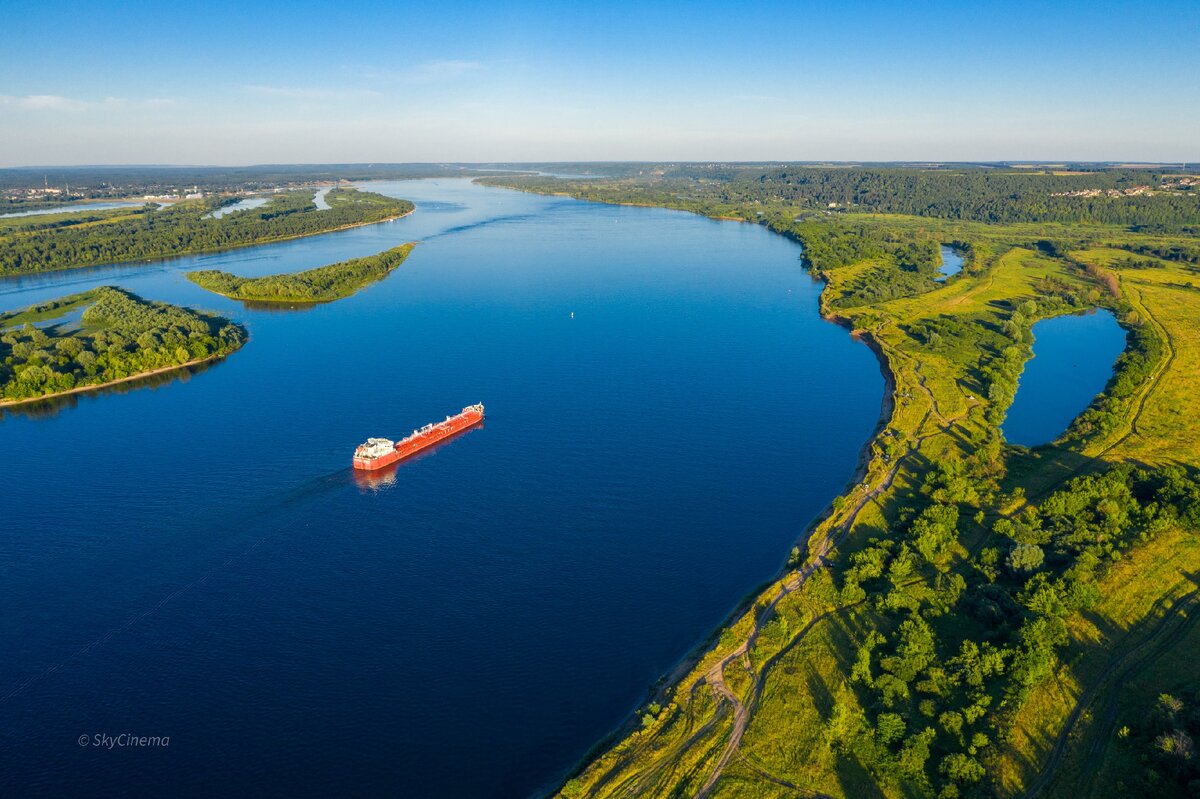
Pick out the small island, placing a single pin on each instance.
(323, 284)
(103, 336)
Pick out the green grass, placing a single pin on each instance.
(1111, 653)
(47, 311)
(1167, 426)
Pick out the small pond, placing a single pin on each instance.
(952, 262)
(1072, 361)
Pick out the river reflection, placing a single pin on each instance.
(52, 406)
(379, 479)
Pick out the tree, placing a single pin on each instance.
(961, 768)
(1025, 558)
(889, 728)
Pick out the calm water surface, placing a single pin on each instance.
(952, 262)
(196, 560)
(1073, 359)
(240, 205)
(70, 209)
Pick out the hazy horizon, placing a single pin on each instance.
(517, 166)
(231, 84)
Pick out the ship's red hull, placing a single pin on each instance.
(422, 439)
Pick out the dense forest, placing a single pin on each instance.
(322, 284)
(101, 336)
(979, 195)
(1115, 196)
(34, 244)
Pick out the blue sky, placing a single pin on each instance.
(260, 82)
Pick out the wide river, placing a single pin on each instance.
(195, 560)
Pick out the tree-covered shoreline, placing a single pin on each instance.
(70, 241)
(116, 336)
(323, 284)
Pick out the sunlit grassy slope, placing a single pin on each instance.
(773, 707)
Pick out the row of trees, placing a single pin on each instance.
(322, 284)
(158, 232)
(1181, 253)
(121, 336)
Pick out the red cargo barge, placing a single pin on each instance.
(380, 452)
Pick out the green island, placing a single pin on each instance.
(73, 240)
(970, 618)
(99, 337)
(323, 284)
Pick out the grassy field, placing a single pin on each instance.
(780, 706)
(1132, 637)
(1167, 298)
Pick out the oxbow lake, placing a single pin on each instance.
(1073, 358)
(195, 559)
(74, 208)
(952, 262)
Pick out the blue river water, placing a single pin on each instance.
(1073, 359)
(195, 560)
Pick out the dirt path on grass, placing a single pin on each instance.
(1159, 371)
(1103, 685)
(715, 677)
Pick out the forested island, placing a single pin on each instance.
(102, 336)
(323, 284)
(73, 240)
(971, 618)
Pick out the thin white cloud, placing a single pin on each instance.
(440, 71)
(56, 102)
(309, 92)
(43, 102)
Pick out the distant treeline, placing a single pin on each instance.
(323, 284)
(152, 232)
(978, 195)
(218, 178)
(118, 336)
(973, 194)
